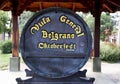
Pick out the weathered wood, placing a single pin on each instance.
(15, 36)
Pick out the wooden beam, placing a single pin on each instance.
(57, 1)
(38, 5)
(108, 8)
(15, 36)
(115, 2)
(3, 3)
(22, 4)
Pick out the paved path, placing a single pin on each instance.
(110, 74)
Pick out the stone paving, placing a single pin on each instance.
(110, 74)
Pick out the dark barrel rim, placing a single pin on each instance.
(56, 9)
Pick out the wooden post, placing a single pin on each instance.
(15, 36)
(96, 59)
(15, 60)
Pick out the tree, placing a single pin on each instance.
(89, 19)
(23, 18)
(106, 22)
(4, 22)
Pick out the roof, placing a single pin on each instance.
(19, 6)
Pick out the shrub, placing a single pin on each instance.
(7, 47)
(1, 43)
(109, 52)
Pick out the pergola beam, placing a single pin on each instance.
(107, 7)
(3, 3)
(79, 5)
(115, 2)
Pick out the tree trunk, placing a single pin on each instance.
(9, 35)
(4, 36)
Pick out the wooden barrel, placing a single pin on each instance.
(55, 43)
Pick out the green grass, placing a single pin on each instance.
(4, 61)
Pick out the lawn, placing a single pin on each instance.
(4, 61)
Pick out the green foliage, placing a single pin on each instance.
(106, 22)
(23, 18)
(109, 52)
(7, 47)
(1, 43)
(4, 21)
(88, 18)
